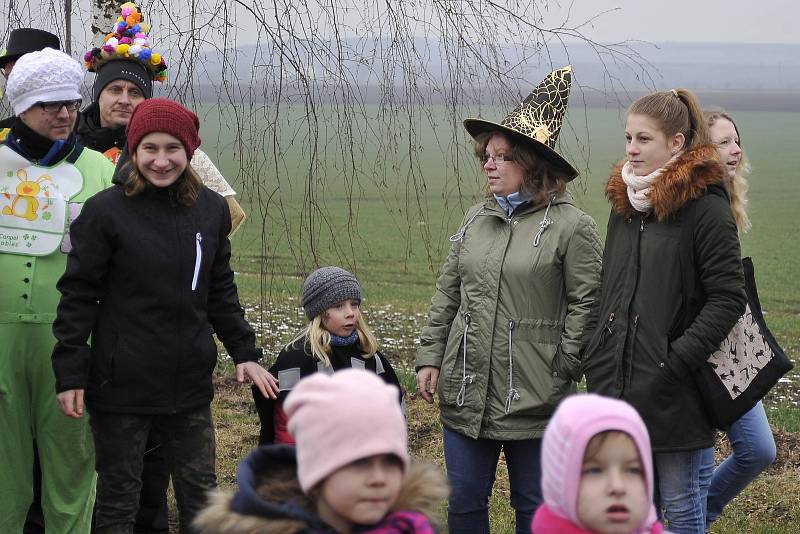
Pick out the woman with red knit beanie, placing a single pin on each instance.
(149, 280)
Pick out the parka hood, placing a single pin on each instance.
(269, 499)
(692, 173)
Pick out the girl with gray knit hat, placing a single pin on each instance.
(336, 337)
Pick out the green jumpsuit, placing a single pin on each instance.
(36, 207)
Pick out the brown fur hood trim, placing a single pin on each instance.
(423, 489)
(686, 179)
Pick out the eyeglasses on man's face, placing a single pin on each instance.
(55, 107)
(498, 159)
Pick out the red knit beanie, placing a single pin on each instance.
(167, 116)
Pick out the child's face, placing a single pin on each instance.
(341, 318)
(360, 493)
(612, 497)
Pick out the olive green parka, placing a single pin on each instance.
(505, 323)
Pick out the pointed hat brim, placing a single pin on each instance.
(537, 120)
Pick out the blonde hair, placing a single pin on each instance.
(319, 339)
(739, 186)
(540, 177)
(675, 111)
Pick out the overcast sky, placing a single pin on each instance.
(747, 21)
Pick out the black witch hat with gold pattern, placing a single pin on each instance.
(537, 120)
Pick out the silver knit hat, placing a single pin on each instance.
(326, 287)
(44, 76)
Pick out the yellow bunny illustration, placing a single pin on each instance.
(27, 191)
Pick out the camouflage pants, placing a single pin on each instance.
(120, 442)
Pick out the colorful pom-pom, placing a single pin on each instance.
(155, 58)
(122, 49)
(107, 49)
(88, 56)
(113, 42)
(145, 54)
(125, 40)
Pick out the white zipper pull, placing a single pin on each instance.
(198, 258)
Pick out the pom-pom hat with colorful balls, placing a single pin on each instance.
(126, 54)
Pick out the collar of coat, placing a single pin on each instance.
(527, 207)
(687, 178)
(285, 509)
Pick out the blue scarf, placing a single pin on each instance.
(337, 341)
(510, 203)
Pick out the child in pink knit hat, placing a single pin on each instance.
(350, 470)
(597, 470)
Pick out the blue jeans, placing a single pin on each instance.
(753, 451)
(471, 467)
(682, 480)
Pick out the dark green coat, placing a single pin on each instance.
(505, 323)
(659, 316)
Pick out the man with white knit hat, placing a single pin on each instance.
(45, 176)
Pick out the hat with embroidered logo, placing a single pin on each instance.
(340, 418)
(43, 76)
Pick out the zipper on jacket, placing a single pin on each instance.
(546, 222)
(198, 257)
(607, 329)
(627, 378)
(465, 378)
(513, 394)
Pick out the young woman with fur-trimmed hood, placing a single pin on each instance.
(672, 288)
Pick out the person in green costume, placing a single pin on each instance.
(45, 176)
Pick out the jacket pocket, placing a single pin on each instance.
(456, 374)
(535, 385)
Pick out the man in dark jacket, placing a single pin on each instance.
(22, 41)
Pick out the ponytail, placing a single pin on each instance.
(675, 111)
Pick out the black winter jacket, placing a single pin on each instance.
(297, 361)
(150, 280)
(659, 316)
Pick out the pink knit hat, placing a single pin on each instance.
(339, 418)
(575, 422)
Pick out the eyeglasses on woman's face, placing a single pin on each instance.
(497, 160)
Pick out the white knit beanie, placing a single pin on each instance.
(44, 76)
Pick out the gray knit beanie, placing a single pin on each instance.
(326, 287)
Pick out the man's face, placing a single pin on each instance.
(53, 124)
(117, 101)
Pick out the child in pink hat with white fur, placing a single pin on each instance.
(597, 470)
(350, 471)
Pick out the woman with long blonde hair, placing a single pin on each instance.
(752, 443)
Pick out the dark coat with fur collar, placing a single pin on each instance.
(270, 501)
(659, 316)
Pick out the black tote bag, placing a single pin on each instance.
(747, 365)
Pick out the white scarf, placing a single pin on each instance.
(639, 186)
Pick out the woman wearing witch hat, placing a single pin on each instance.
(504, 327)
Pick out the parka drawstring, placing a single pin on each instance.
(458, 236)
(465, 378)
(513, 394)
(547, 221)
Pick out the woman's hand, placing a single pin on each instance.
(427, 378)
(262, 378)
(71, 403)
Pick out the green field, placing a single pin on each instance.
(389, 222)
